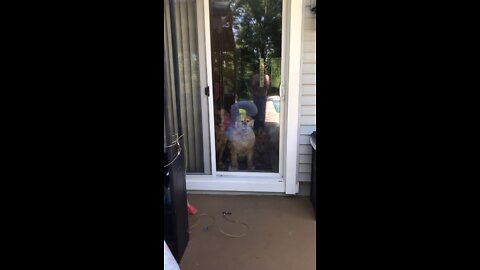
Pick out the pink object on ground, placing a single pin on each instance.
(191, 210)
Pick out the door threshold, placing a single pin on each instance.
(234, 193)
(235, 183)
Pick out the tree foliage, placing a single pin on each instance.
(257, 27)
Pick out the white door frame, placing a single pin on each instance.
(293, 92)
(202, 57)
(285, 180)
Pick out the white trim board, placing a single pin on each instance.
(293, 94)
(231, 183)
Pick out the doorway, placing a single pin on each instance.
(231, 60)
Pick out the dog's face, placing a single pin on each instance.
(220, 117)
(245, 124)
(248, 122)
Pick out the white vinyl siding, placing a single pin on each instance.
(307, 121)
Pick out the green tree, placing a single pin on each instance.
(257, 26)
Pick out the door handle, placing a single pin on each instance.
(282, 90)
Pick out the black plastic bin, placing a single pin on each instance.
(313, 183)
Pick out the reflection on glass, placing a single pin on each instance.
(246, 48)
(189, 96)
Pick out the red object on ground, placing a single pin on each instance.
(191, 210)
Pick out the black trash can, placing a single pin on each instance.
(313, 183)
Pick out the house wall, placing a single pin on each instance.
(308, 89)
